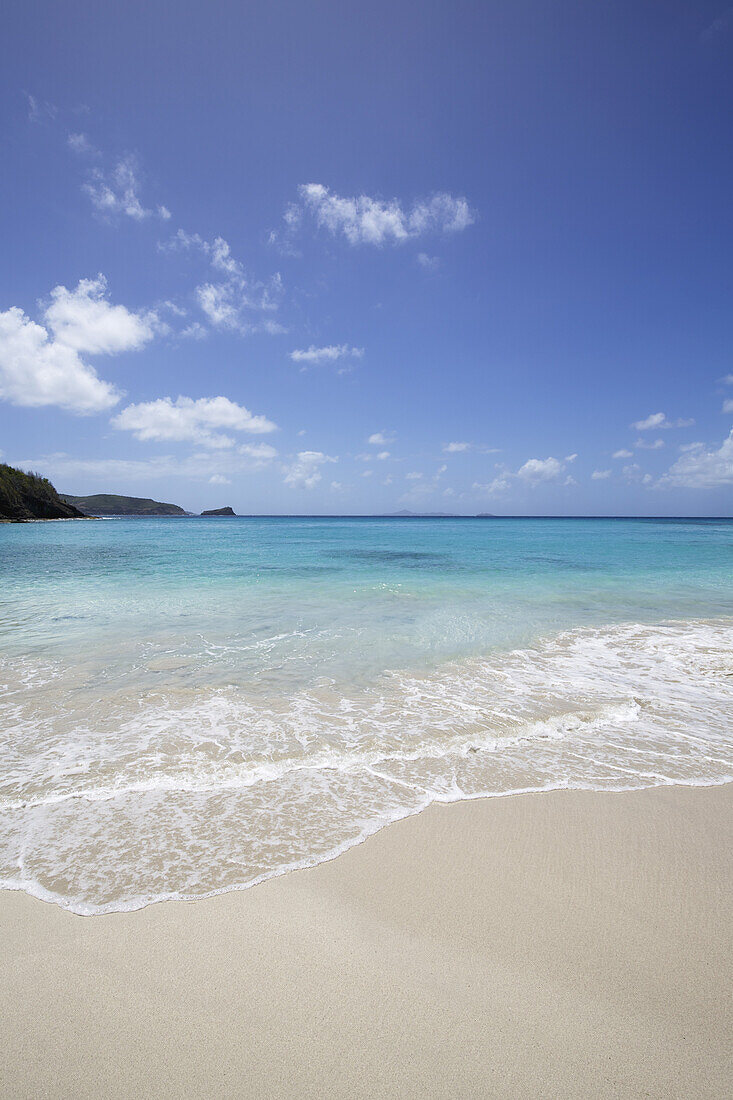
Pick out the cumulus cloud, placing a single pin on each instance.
(362, 219)
(533, 472)
(382, 456)
(85, 320)
(622, 454)
(305, 471)
(37, 370)
(414, 475)
(186, 419)
(600, 475)
(329, 354)
(659, 420)
(456, 448)
(702, 467)
(43, 365)
(728, 405)
(380, 439)
(651, 445)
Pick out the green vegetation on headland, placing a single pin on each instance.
(106, 504)
(26, 496)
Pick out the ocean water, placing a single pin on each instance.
(189, 706)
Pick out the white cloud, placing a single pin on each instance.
(600, 475)
(305, 471)
(80, 143)
(727, 380)
(190, 420)
(540, 469)
(652, 445)
(428, 263)
(380, 439)
(230, 302)
(36, 370)
(456, 448)
(728, 405)
(367, 473)
(118, 191)
(702, 468)
(382, 456)
(105, 473)
(622, 454)
(533, 472)
(194, 331)
(85, 320)
(43, 365)
(219, 479)
(659, 420)
(39, 111)
(414, 475)
(365, 220)
(328, 354)
(263, 452)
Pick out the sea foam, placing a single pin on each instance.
(183, 791)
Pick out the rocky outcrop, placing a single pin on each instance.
(219, 512)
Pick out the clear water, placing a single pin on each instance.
(189, 706)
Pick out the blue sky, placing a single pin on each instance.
(346, 258)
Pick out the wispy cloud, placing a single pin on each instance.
(363, 219)
(117, 191)
(331, 353)
(659, 421)
(231, 301)
(623, 453)
(104, 473)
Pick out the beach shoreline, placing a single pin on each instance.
(564, 943)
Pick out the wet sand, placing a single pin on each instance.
(570, 944)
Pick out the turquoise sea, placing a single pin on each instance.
(192, 705)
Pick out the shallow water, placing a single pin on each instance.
(190, 705)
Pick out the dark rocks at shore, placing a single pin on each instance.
(219, 512)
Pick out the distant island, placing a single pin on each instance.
(219, 512)
(106, 504)
(25, 496)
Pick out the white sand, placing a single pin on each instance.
(561, 945)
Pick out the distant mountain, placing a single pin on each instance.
(29, 496)
(219, 512)
(106, 504)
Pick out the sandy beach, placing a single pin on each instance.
(566, 944)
